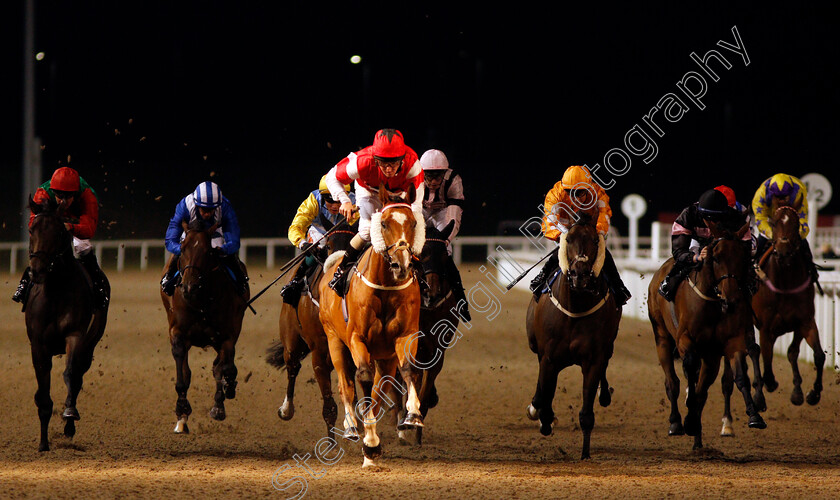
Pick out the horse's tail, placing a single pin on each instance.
(274, 354)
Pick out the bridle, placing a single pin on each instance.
(427, 304)
(53, 259)
(718, 296)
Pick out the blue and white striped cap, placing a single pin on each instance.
(208, 195)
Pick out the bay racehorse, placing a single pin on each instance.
(301, 332)
(438, 324)
(377, 320)
(785, 302)
(576, 323)
(205, 310)
(710, 318)
(61, 317)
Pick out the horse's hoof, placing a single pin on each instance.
(605, 398)
(372, 452)
(676, 429)
(217, 413)
(352, 433)
(230, 390)
(813, 397)
(532, 412)
(286, 412)
(69, 428)
(411, 421)
(796, 396)
(545, 429)
(44, 446)
(756, 422)
(726, 430)
(770, 384)
(70, 414)
(692, 425)
(584, 455)
(181, 427)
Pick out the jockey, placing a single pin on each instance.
(693, 225)
(77, 199)
(208, 204)
(778, 191)
(444, 203)
(388, 162)
(308, 226)
(578, 191)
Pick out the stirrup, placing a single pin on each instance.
(168, 285)
(337, 281)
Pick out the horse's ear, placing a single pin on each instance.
(715, 229)
(383, 194)
(448, 230)
(185, 225)
(212, 229)
(411, 194)
(743, 231)
(797, 205)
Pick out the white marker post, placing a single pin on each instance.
(819, 194)
(633, 206)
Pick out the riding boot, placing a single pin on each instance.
(101, 291)
(538, 283)
(347, 261)
(458, 288)
(240, 278)
(621, 293)
(169, 281)
(668, 287)
(291, 290)
(22, 292)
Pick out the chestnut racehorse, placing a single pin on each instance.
(377, 319)
(301, 332)
(60, 314)
(575, 324)
(205, 310)
(709, 318)
(785, 302)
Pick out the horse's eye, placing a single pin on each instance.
(383, 225)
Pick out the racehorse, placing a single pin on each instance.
(437, 323)
(785, 302)
(301, 332)
(709, 319)
(378, 319)
(60, 314)
(576, 323)
(205, 310)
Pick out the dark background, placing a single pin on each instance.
(147, 99)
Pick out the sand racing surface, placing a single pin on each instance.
(478, 442)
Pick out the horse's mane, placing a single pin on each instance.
(195, 225)
(584, 219)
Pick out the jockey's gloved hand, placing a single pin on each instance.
(304, 245)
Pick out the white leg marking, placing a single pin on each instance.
(179, 426)
(727, 428)
(413, 403)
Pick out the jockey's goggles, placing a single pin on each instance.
(434, 174)
(328, 199)
(63, 195)
(578, 193)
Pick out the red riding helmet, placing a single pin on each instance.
(65, 179)
(388, 144)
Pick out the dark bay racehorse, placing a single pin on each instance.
(60, 314)
(382, 308)
(301, 332)
(709, 318)
(437, 323)
(205, 310)
(785, 302)
(575, 324)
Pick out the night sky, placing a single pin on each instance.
(147, 99)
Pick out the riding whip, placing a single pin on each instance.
(289, 265)
(519, 278)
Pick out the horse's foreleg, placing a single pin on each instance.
(406, 350)
(183, 377)
(383, 383)
(217, 412)
(42, 361)
(592, 377)
(322, 367)
(754, 351)
(727, 382)
(738, 363)
(709, 367)
(691, 369)
(812, 336)
(547, 385)
(292, 354)
(75, 367)
(796, 396)
(766, 341)
(664, 350)
(346, 388)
